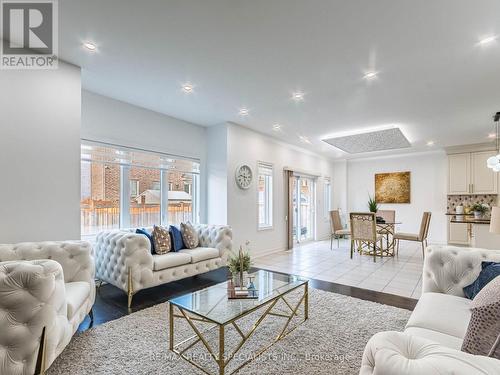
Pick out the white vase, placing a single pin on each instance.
(478, 215)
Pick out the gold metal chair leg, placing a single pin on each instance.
(352, 247)
(41, 359)
(130, 288)
(423, 250)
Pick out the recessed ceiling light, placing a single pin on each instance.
(188, 88)
(90, 46)
(430, 143)
(370, 75)
(492, 135)
(487, 40)
(298, 96)
(244, 111)
(304, 139)
(276, 127)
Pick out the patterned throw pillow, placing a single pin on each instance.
(483, 333)
(189, 235)
(161, 238)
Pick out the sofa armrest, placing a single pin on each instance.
(216, 236)
(396, 353)
(448, 269)
(32, 296)
(117, 252)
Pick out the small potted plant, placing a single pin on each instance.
(239, 264)
(479, 210)
(372, 204)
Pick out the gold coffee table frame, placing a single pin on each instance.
(221, 359)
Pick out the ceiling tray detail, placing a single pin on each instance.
(380, 140)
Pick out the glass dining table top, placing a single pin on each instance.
(212, 303)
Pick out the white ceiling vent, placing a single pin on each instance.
(388, 139)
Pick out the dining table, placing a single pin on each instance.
(386, 229)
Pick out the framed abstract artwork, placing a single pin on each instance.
(392, 187)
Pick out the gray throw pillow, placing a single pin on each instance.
(483, 333)
(189, 236)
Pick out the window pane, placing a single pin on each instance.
(100, 197)
(265, 196)
(145, 203)
(180, 201)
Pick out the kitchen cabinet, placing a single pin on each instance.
(459, 234)
(468, 174)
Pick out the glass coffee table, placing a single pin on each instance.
(211, 307)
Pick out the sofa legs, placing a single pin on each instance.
(41, 357)
(130, 288)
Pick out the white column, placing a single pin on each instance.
(125, 196)
(164, 198)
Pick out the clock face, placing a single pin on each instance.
(243, 176)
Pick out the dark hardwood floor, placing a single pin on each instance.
(111, 302)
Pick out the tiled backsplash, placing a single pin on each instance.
(469, 200)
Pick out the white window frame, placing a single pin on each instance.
(136, 187)
(125, 188)
(327, 197)
(266, 170)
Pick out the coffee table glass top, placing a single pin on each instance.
(212, 302)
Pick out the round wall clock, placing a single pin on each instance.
(243, 176)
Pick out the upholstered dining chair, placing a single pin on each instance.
(389, 216)
(420, 237)
(337, 229)
(364, 232)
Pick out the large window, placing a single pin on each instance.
(127, 188)
(265, 195)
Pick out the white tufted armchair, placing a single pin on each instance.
(432, 340)
(124, 259)
(46, 284)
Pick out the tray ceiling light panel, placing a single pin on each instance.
(380, 140)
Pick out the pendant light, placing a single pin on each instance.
(494, 161)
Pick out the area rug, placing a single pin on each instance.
(331, 341)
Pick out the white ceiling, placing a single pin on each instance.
(434, 80)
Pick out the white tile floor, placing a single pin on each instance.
(400, 275)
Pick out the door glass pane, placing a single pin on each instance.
(180, 200)
(306, 209)
(295, 210)
(100, 197)
(145, 199)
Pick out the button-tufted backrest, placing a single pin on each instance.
(448, 269)
(216, 236)
(75, 257)
(32, 296)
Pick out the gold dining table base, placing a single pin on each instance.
(218, 355)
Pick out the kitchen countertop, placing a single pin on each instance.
(468, 219)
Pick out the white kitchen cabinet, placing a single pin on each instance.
(468, 174)
(459, 174)
(483, 180)
(458, 234)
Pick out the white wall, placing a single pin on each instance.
(217, 174)
(248, 147)
(112, 121)
(428, 189)
(40, 154)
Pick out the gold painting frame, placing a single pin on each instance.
(394, 187)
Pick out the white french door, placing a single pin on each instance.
(304, 208)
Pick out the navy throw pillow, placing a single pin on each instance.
(177, 240)
(149, 236)
(489, 270)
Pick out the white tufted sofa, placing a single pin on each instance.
(124, 259)
(433, 337)
(45, 284)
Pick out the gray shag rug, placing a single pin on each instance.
(331, 341)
